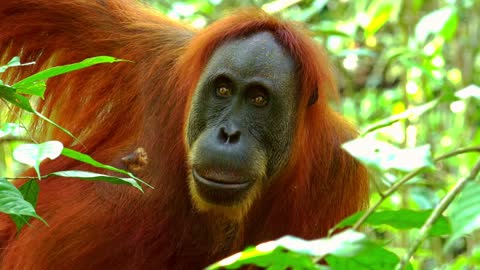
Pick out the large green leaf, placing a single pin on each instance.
(372, 257)
(55, 71)
(36, 88)
(34, 154)
(384, 156)
(291, 252)
(274, 259)
(29, 191)
(9, 94)
(464, 212)
(13, 203)
(402, 219)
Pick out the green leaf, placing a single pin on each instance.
(464, 212)
(372, 257)
(9, 94)
(29, 191)
(34, 154)
(98, 177)
(13, 203)
(89, 160)
(384, 156)
(36, 88)
(15, 62)
(346, 243)
(441, 21)
(331, 32)
(403, 219)
(274, 259)
(379, 12)
(292, 252)
(471, 91)
(55, 71)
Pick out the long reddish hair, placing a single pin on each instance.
(114, 109)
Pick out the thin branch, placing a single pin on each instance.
(405, 179)
(10, 139)
(25, 177)
(437, 212)
(458, 152)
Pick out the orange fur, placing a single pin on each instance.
(114, 109)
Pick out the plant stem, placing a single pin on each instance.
(405, 179)
(437, 212)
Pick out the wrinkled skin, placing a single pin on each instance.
(241, 122)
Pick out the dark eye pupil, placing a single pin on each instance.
(259, 100)
(223, 91)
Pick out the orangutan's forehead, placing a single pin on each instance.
(259, 54)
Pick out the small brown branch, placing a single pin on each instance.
(405, 179)
(10, 139)
(437, 212)
(458, 152)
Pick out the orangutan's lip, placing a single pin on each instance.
(217, 183)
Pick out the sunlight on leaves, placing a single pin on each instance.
(34, 154)
(384, 156)
(403, 219)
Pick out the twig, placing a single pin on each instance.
(458, 152)
(405, 179)
(25, 177)
(437, 212)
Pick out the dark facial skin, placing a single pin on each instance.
(241, 122)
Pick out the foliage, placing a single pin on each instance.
(408, 72)
(20, 203)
